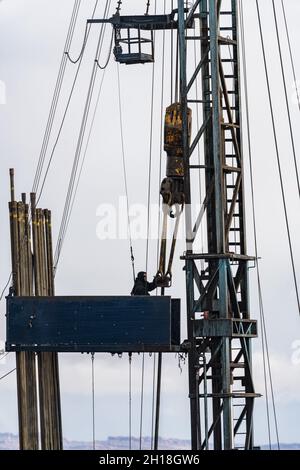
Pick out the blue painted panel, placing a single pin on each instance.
(110, 324)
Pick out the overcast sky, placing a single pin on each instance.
(32, 34)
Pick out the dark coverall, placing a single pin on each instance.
(142, 286)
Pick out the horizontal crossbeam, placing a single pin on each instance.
(232, 328)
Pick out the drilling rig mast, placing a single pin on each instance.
(221, 386)
(219, 326)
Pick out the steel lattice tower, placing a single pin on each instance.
(221, 387)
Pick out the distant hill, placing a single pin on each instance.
(11, 442)
(282, 447)
(122, 443)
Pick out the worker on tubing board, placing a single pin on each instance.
(142, 286)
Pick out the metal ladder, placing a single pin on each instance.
(242, 390)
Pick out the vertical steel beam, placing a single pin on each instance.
(216, 124)
(219, 215)
(225, 226)
(245, 278)
(193, 358)
(210, 212)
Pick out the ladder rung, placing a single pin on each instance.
(193, 167)
(206, 13)
(224, 40)
(231, 169)
(228, 61)
(200, 15)
(234, 394)
(225, 76)
(200, 101)
(197, 38)
(229, 124)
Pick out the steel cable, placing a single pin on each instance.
(291, 54)
(286, 98)
(249, 141)
(62, 121)
(159, 213)
(85, 150)
(8, 373)
(64, 221)
(278, 158)
(55, 98)
(125, 173)
(93, 400)
(142, 400)
(148, 216)
(130, 400)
